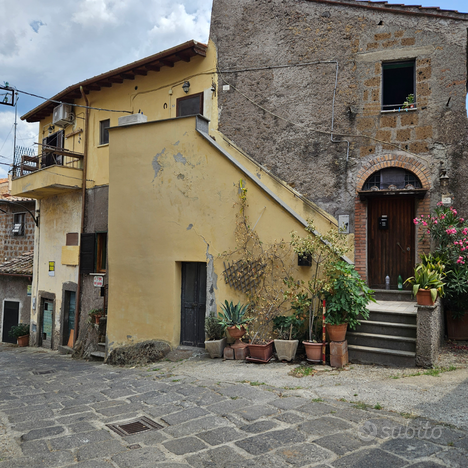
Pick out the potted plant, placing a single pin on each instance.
(215, 333)
(288, 329)
(234, 319)
(427, 283)
(409, 102)
(95, 315)
(346, 297)
(21, 333)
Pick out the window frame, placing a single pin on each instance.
(104, 132)
(101, 252)
(21, 215)
(386, 107)
(185, 98)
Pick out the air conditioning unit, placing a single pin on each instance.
(63, 115)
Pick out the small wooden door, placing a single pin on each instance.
(391, 247)
(47, 323)
(193, 304)
(10, 319)
(69, 316)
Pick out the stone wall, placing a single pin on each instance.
(430, 334)
(283, 116)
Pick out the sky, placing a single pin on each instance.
(48, 46)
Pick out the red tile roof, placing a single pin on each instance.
(21, 265)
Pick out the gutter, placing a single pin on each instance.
(202, 128)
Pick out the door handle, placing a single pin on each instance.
(402, 249)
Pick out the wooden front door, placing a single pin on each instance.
(47, 324)
(390, 248)
(10, 319)
(193, 304)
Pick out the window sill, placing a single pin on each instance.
(97, 274)
(392, 111)
(103, 145)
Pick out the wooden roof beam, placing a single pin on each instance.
(183, 56)
(153, 67)
(127, 76)
(116, 79)
(140, 71)
(166, 63)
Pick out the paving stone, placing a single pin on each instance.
(92, 464)
(185, 445)
(225, 457)
(28, 425)
(304, 454)
(455, 458)
(315, 409)
(324, 426)
(49, 460)
(146, 438)
(410, 449)
(220, 436)
(81, 427)
(369, 458)
(44, 433)
(290, 418)
(123, 408)
(196, 425)
(31, 416)
(247, 392)
(431, 464)
(228, 406)
(35, 447)
(208, 398)
(78, 440)
(118, 392)
(288, 403)
(100, 450)
(263, 443)
(350, 414)
(342, 443)
(76, 418)
(74, 410)
(158, 411)
(251, 413)
(183, 416)
(259, 427)
(380, 428)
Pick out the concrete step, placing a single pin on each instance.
(382, 356)
(400, 343)
(387, 328)
(392, 316)
(393, 295)
(98, 356)
(102, 347)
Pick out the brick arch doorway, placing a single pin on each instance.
(390, 239)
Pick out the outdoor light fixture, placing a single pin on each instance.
(186, 86)
(444, 181)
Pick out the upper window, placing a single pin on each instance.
(104, 131)
(190, 105)
(398, 85)
(392, 179)
(93, 252)
(18, 224)
(54, 140)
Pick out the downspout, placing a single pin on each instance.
(83, 205)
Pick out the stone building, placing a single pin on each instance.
(358, 105)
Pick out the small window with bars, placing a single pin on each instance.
(18, 224)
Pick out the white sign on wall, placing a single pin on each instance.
(98, 281)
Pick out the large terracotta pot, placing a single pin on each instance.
(457, 329)
(236, 333)
(337, 332)
(424, 297)
(313, 351)
(261, 352)
(23, 341)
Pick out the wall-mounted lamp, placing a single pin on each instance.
(51, 129)
(444, 181)
(213, 87)
(186, 86)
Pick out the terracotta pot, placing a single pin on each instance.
(96, 319)
(313, 351)
(337, 332)
(424, 297)
(215, 347)
(457, 329)
(236, 333)
(23, 341)
(286, 349)
(261, 352)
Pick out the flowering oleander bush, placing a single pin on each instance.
(449, 233)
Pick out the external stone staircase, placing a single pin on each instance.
(389, 336)
(100, 354)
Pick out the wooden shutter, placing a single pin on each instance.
(87, 253)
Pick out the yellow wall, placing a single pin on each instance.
(171, 200)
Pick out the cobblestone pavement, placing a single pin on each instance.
(54, 411)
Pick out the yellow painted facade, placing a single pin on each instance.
(172, 200)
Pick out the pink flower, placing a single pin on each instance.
(428, 231)
(435, 221)
(424, 223)
(415, 221)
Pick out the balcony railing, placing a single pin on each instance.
(26, 162)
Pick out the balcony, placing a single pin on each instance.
(55, 171)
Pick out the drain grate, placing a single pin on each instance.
(43, 372)
(134, 427)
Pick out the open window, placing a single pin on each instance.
(18, 224)
(93, 252)
(398, 85)
(104, 131)
(49, 158)
(190, 105)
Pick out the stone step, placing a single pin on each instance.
(98, 355)
(64, 349)
(382, 356)
(393, 295)
(392, 316)
(401, 343)
(102, 347)
(387, 328)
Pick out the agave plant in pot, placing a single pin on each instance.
(346, 296)
(427, 284)
(215, 334)
(234, 319)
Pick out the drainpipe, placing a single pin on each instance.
(83, 205)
